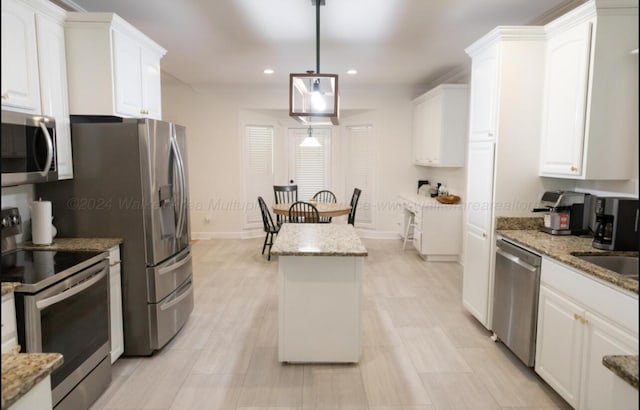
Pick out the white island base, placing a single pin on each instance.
(320, 309)
(320, 293)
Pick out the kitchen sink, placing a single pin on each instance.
(627, 266)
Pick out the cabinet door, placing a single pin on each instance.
(151, 90)
(419, 128)
(484, 94)
(53, 88)
(559, 344)
(477, 279)
(433, 132)
(9, 328)
(602, 338)
(565, 101)
(20, 82)
(127, 76)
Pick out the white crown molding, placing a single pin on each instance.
(69, 5)
(507, 33)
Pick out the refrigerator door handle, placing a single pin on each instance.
(183, 184)
(176, 156)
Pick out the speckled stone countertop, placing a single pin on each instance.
(77, 244)
(22, 371)
(8, 287)
(566, 248)
(624, 366)
(318, 240)
(510, 222)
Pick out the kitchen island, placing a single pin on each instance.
(320, 293)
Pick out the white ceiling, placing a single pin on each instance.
(389, 42)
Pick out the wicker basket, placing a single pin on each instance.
(448, 199)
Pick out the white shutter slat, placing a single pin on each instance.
(258, 169)
(360, 170)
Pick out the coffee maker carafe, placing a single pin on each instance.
(616, 224)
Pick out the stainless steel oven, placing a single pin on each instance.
(28, 149)
(62, 306)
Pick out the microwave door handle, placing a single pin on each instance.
(44, 303)
(47, 138)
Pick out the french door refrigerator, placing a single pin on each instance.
(130, 182)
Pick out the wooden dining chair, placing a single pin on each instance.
(354, 204)
(284, 194)
(303, 212)
(270, 228)
(325, 196)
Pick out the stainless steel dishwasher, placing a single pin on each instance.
(515, 299)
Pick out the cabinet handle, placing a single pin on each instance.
(573, 169)
(484, 235)
(576, 316)
(5, 96)
(144, 111)
(583, 320)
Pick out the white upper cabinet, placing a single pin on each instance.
(53, 85)
(114, 69)
(484, 93)
(590, 109)
(440, 126)
(20, 83)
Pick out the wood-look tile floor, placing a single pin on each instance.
(421, 349)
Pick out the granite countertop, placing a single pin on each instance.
(566, 248)
(318, 240)
(626, 367)
(77, 244)
(22, 371)
(8, 287)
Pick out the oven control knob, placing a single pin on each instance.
(6, 222)
(15, 220)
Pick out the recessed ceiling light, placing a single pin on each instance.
(353, 71)
(268, 71)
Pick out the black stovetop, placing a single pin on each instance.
(31, 267)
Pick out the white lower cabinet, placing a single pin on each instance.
(9, 329)
(38, 398)
(579, 322)
(115, 303)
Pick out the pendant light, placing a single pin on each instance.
(313, 97)
(310, 140)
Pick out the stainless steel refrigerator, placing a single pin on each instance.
(130, 182)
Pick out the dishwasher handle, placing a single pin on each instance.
(516, 260)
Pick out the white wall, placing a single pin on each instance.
(213, 117)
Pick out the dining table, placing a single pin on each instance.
(325, 209)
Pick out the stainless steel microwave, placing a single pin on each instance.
(28, 149)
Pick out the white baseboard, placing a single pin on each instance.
(372, 234)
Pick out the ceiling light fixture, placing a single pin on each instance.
(310, 140)
(313, 97)
(268, 71)
(352, 71)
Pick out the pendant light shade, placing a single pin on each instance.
(310, 140)
(313, 97)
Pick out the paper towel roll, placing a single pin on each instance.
(41, 222)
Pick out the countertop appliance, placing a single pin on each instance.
(567, 212)
(130, 181)
(28, 148)
(616, 224)
(62, 306)
(515, 299)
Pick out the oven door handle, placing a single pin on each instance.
(47, 138)
(44, 303)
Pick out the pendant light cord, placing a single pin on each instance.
(317, 36)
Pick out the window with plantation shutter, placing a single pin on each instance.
(359, 170)
(310, 167)
(258, 171)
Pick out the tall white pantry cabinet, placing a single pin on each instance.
(507, 71)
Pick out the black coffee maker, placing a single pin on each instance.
(616, 224)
